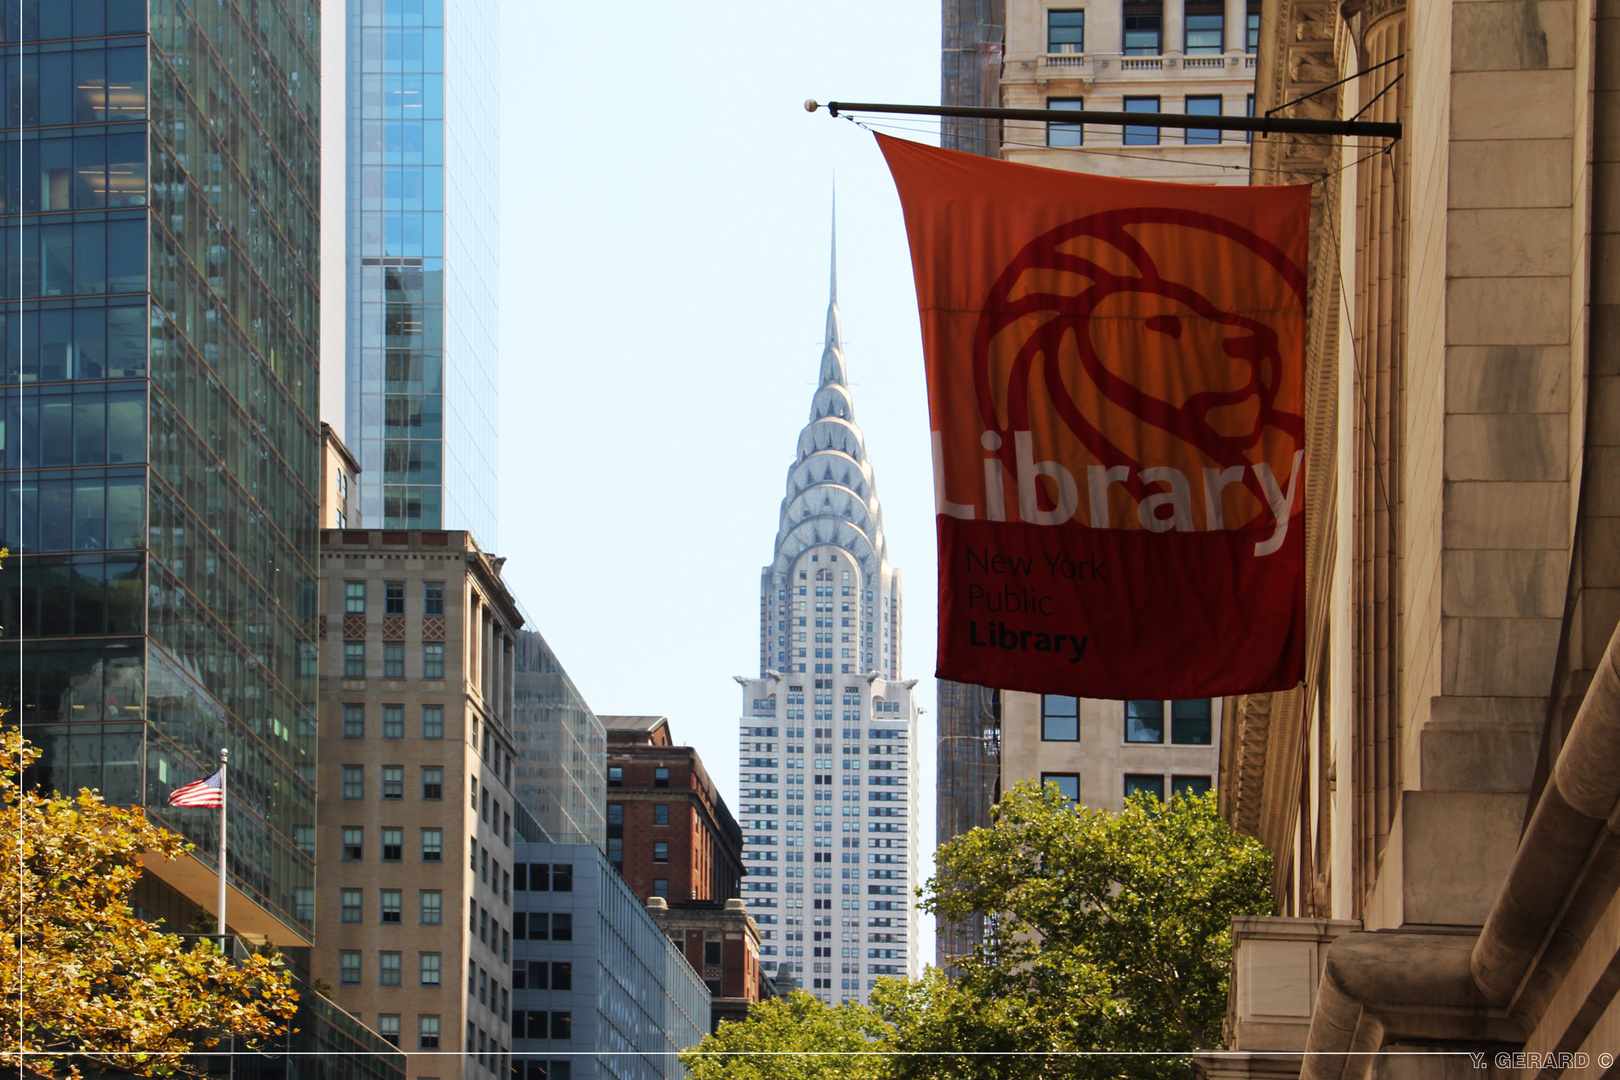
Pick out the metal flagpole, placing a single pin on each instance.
(223, 755)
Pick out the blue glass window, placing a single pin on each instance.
(1065, 134)
(1203, 105)
(1141, 136)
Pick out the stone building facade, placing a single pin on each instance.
(1174, 56)
(1440, 790)
(1097, 752)
(416, 832)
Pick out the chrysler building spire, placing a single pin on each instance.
(832, 354)
(830, 699)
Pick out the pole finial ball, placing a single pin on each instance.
(811, 105)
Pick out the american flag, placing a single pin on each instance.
(207, 792)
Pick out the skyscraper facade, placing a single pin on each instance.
(162, 442)
(828, 731)
(423, 192)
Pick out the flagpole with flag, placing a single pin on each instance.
(223, 755)
(210, 794)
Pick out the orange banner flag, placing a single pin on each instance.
(1116, 397)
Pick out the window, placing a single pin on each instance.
(562, 926)
(1146, 783)
(1206, 27)
(432, 909)
(427, 1032)
(1189, 786)
(1208, 105)
(433, 598)
(562, 877)
(388, 969)
(433, 721)
(1191, 723)
(390, 900)
(393, 721)
(1248, 136)
(1251, 43)
(394, 659)
(615, 777)
(615, 816)
(354, 659)
(660, 851)
(432, 845)
(393, 598)
(660, 777)
(393, 781)
(1144, 24)
(349, 968)
(354, 721)
(349, 909)
(1065, 33)
(660, 814)
(1060, 718)
(354, 598)
(429, 968)
(432, 659)
(562, 1025)
(1067, 783)
(388, 1023)
(661, 887)
(354, 844)
(354, 781)
(1144, 721)
(1141, 136)
(1065, 134)
(393, 845)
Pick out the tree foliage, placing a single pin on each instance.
(792, 1038)
(84, 980)
(1104, 931)
(1107, 934)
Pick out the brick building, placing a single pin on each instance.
(676, 844)
(669, 831)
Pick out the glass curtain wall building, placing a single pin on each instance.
(560, 773)
(161, 438)
(423, 194)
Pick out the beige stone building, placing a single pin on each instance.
(1174, 56)
(340, 473)
(1442, 791)
(415, 827)
(1098, 751)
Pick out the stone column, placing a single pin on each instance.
(1175, 27)
(1237, 22)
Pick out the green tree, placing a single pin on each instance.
(1105, 932)
(793, 1038)
(84, 982)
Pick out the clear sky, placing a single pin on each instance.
(664, 247)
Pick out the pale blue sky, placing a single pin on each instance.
(664, 231)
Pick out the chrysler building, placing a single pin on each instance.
(827, 741)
